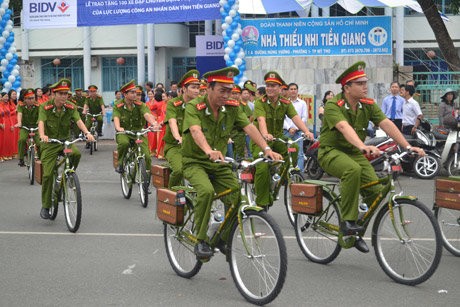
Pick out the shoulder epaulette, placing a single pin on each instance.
(285, 101)
(120, 105)
(341, 102)
(178, 103)
(233, 103)
(138, 103)
(20, 103)
(201, 106)
(69, 106)
(264, 98)
(367, 100)
(243, 103)
(48, 107)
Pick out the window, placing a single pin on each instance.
(195, 28)
(181, 66)
(115, 75)
(70, 68)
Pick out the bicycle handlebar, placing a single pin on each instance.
(93, 115)
(66, 142)
(135, 133)
(243, 164)
(29, 129)
(289, 141)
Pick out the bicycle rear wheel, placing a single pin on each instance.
(318, 242)
(412, 257)
(143, 184)
(258, 261)
(296, 177)
(72, 202)
(31, 165)
(449, 224)
(126, 181)
(179, 248)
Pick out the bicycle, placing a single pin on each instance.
(405, 234)
(66, 188)
(134, 169)
(31, 154)
(280, 179)
(93, 130)
(255, 248)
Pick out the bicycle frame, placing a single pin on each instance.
(93, 122)
(137, 152)
(64, 160)
(387, 192)
(30, 140)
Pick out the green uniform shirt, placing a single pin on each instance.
(131, 119)
(274, 114)
(29, 114)
(175, 108)
(337, 109)
(217, 132)
(94, 105)
(57, 124)
(80, 103)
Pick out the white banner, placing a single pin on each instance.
(209, 45)
(42, 14)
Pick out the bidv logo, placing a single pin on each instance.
(214, 45)
(378, 36)
(42, 7)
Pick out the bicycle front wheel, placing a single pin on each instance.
(96, 139)
(143, 184)
(295, 177)
(449, 224)
(55, 198)
(258, 258)
(317, 236)
(31, 165)
(126, 181)
(72, 202)
(179, 248)
(411, 257)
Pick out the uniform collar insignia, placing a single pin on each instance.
(207, 112)
(223, 109)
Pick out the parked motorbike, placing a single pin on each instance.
(311, 165)
(450, 156)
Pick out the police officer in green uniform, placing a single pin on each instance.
(131, 114)
(27, 116)
(54, 120)
(175, 109)
(345, 120)
(94, 104)
(269, 113)
(206, 129)
(79, 100)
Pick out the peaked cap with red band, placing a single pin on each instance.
(354, 72)
(190, 76)
(273, 76)
(131, 85)
(62, 85)
(224, 75)
(236, 89)
(29, 93)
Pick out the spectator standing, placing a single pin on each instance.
(446, 111)
(12, 104)
(328, 95)
(412, 114)
(392, 105)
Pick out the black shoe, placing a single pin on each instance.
(88, 145)
(361, 245)
(349, 228)
(202, 250)
(45, 213)
(21, 163)
(100, 134)
(119, 169)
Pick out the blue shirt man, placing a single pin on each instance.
(392, 105)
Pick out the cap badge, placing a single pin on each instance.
(230, 74)
(272, 76)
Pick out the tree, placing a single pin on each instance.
(446, 45)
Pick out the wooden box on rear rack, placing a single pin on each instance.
(306, 198)
(448, 193)
(167, 209)
(160, 176)
(38, 172)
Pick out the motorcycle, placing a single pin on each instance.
(450, 156)
(311, 164)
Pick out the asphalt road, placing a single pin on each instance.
(118, 256)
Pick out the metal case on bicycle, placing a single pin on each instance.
(448, 193)
(167, 209)
(38, 173)
(160, 176)
(115, 159)
(307, 198)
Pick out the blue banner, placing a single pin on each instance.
(317, 36)
(119, 12)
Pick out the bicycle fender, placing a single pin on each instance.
(252, 208)
(405, 197)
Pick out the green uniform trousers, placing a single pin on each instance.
(22, 142)
(124, 141)
(173, 155)
(208, 178)
(89, 123)
(262, 180)
(354, 170)
(49, 154)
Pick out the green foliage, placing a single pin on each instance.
(455, 6)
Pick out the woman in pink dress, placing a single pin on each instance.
(160, 120)
(13, 101)
(8, 137)
(2, 131)
(152, 136)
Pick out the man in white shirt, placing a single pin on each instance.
(392, 105)
(289, 128)
(412, 114)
